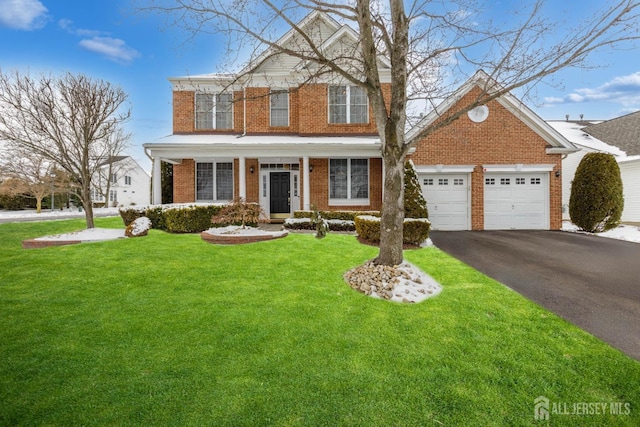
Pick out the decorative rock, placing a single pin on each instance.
(404, 283)
(138, 228)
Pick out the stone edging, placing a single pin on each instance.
(36, 244)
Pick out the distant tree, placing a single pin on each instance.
(596, 201)
(415, 205)
(73, 121)
(30, 174)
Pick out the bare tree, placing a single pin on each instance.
(73, 121)
(428, 45)
(33, 173)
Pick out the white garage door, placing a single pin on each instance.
(517, 201)
(447, 200)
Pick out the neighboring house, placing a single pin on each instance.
(272, 137)
(620, 137)
(129, 184)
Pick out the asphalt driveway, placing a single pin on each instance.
(593, 282)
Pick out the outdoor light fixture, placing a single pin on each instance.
(310, 168)
(251, 169)
(557, 173)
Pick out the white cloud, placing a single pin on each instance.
(114, 49)
(69, 27)
(623, 90)
(23, 14)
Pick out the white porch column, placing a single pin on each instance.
(242, 179)
(156, 181)
(306, 188)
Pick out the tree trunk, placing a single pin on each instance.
(88, 207)
(38, 204)
(392, 208)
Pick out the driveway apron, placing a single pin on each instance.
(593, 282)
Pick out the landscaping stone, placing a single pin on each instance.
(403, 283)
(138, 228)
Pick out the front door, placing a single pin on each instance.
(280, 186)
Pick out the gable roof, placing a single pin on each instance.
(558, 143)
(622, 132)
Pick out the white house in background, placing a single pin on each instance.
(129, 183)
(600, 137)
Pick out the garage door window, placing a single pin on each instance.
(505, 181)
(427, 181)
(443, 181)
(458, 181)
(535, 181)
(490, 181)
(520, 181)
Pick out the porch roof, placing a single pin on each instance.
(207, 145)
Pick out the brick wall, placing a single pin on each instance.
(184, 182)
(501, 139)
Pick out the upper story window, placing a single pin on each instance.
(348, 104)
(279, 101)
(214, 111)
(349, 181)
(127, 180)
(114, 178)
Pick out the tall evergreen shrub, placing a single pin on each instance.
(415, 205)
(596, 201)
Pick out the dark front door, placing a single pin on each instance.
(280, 187)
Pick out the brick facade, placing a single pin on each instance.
(501, 139)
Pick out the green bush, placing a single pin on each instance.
(415, 205)
(307, 224)
(596, 201)
(191, 219)
(174, 219)
(415, 230)
(336, 215)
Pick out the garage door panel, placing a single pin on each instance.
(447, 198)
(516, 201)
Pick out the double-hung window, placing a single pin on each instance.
(214, 111)
(348, 104)
(348, 181)
(214, 181)
(279, 101)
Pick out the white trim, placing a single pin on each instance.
(213, 111)
(517, 168)
(277, 91)
(444, 168)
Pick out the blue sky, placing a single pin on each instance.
(105, 40)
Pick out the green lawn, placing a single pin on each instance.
(170, 330)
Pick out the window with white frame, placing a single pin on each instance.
(348, 104)
(113, 196)
(349, 180)
(214, 181)
(214, 111)
(279, 101)
(127, 180)
(114, 178)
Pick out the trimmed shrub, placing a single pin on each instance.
(415, 230)
(335, 215)
(415, 205)
(192, 219)
(596, 201)
(174, 218)
(306, 224)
